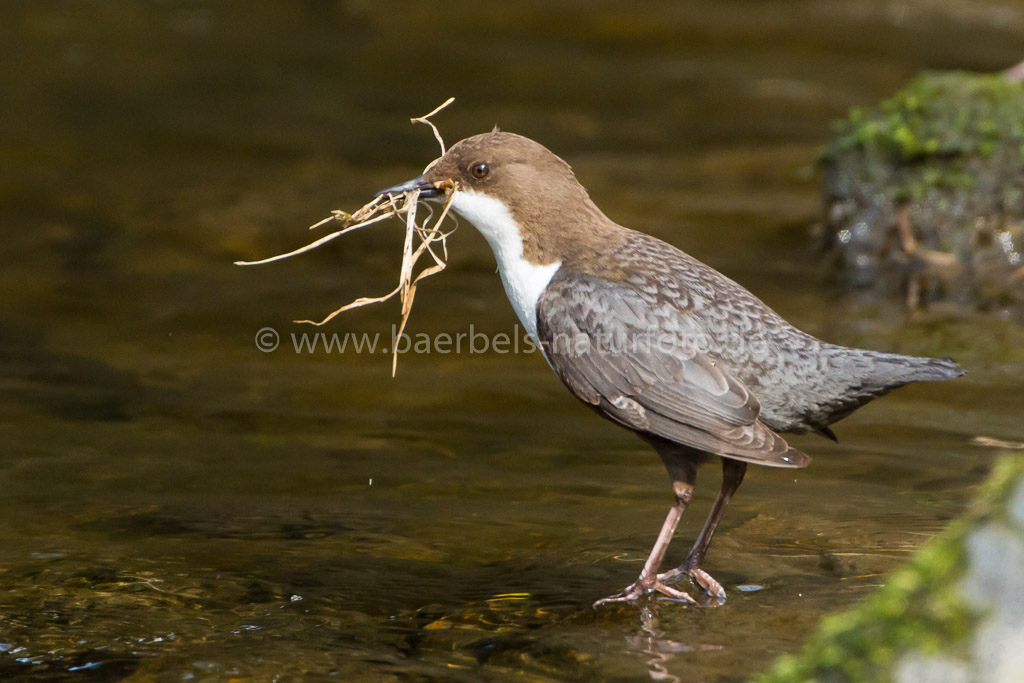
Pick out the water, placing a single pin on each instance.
(178, 505)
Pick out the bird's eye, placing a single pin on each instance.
(480, 170)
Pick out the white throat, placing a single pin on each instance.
(524, 281)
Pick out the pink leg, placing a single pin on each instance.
(732, 477)
(649, 579)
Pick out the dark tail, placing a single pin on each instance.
(856, 376)
(914, 369)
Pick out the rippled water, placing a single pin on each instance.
(178, 505)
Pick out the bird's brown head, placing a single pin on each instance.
(507, 166)
(513, 189)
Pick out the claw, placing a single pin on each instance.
(707, 582)
(701, 577)
(674, 593)
(636, 591)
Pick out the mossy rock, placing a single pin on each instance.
(929, 615)
(924, 195)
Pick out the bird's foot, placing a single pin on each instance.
(703, 579)
(641, 588)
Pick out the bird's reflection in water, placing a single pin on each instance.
(660, 650)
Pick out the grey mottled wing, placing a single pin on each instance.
(633, 360)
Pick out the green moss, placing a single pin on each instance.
(936, 124)
(945, 114)
(919, 609)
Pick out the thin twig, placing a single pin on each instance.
(426, 119)
(313, 245)
(420, 238)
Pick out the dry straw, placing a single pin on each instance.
(421, 238)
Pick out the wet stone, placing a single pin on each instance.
(994, 579)
(1016, 508)
(997, 655)
(915, 667)
(923, 194)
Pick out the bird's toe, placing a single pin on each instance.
(707, 582)
(638, 590)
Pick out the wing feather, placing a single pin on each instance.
(620, 352)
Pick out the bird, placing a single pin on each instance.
(652, 339)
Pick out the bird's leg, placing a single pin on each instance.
(732, 476)
(649, 579)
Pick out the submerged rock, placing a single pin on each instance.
(924, 195)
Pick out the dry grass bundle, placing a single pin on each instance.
(421, 238)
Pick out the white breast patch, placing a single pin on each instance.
(524, 281)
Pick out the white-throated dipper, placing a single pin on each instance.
(653, 339)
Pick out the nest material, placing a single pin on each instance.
(422, 237)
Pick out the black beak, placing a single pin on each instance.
(426, 189)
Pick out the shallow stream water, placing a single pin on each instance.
(180, 505)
